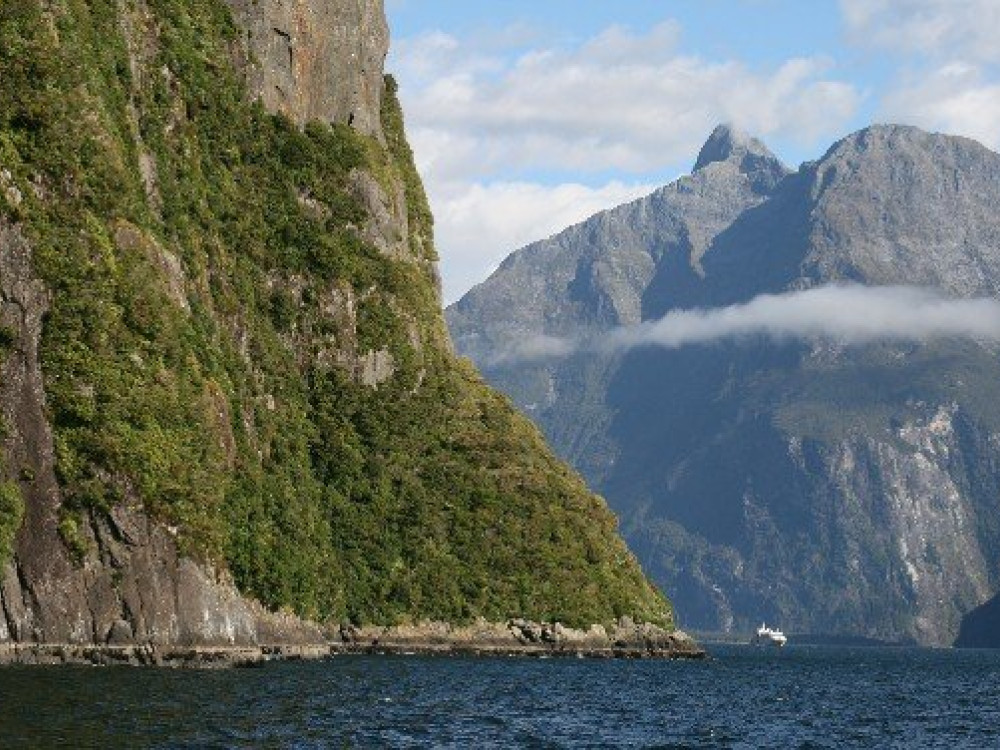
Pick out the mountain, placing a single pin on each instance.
(231, 410)
(834, 488)
(981, 627)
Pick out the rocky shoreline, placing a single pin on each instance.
(624, 640)
(203, 657)
(515, 638)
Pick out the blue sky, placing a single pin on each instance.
(527, 117)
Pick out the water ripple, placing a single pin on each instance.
(805, 697)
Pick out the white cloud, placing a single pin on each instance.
(620, 101)
(947, 55)
(478, 225)
(848, 315)
(955, 29)
(956, 98)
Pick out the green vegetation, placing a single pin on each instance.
(195, 344)
(8, 337)
(11, 505)
(11, 502)
(418, 209)
(11, 516)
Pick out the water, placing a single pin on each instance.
(801, 697)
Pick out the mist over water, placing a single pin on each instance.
(743, 697)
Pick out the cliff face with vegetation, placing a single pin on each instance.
(229, 401)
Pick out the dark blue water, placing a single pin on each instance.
(802, 697)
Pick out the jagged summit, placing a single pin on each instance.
(727, 143)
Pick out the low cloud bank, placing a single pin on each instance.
(846, 314)
(843, 314)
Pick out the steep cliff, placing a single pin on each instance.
(315, 60)
(838, 489)
(225, 373)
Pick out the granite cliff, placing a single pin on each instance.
(848, 490)
(231, 415)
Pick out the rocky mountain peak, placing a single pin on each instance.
(898, 205)
(901, 144)
(888, 135)
(728, 145)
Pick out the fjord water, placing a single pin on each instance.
(814, 697)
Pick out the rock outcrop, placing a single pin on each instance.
(843, 490)
(624, 639)
(316, 59)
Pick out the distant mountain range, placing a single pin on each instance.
(830, 479)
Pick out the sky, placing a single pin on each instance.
(529, 116)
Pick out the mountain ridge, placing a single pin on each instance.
(792, 481)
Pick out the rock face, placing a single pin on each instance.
(134, 587)
(598, 273)
(316, 59)
(847, 490)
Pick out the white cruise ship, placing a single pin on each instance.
(766, 636)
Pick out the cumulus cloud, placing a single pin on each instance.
(621, 100)
(966, 29)
(478, 225)
(947, 56)
(956, 98)
(848, 315)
